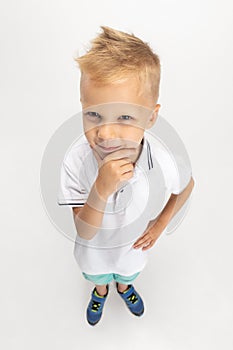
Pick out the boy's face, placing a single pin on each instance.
(115, 116)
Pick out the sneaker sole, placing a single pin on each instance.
(140, 314)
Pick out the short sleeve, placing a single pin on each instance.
(176, 169)
(72, 191)
(172, 156)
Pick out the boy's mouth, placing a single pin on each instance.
(109, 149)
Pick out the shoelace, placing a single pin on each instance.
(132, 298)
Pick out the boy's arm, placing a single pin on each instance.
(114, 169)
(156, 226)
(88, 219)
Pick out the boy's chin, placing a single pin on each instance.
(133, 156)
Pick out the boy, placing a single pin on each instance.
(119, 191)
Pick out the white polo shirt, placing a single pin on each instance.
(128, 211)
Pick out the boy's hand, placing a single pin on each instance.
(114, 169)
(149, 237)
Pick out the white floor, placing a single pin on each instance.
(186, 287)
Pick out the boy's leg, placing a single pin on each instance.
(101, 289)
(100, 281)
(121, 287)
(124, 281)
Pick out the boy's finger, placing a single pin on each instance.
(97, 156)
(141, 240)
(123, 153)
(142, 244)
(149, 245)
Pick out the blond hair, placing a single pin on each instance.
(115, 56)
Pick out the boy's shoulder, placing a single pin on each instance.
(173, 160)
(78, 152)
(159, 150)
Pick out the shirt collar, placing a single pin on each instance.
(145, 158)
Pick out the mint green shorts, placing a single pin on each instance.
(107, 278)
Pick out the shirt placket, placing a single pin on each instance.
(123, 197)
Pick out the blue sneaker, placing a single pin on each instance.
(132, 300)
(95, 307)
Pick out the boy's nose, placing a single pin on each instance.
(107, 131)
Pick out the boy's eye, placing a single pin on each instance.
(126, 117)
(92, 114)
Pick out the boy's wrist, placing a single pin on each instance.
(96, 200)
(101, 190)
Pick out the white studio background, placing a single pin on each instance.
(187, 285)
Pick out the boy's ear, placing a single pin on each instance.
(153, 116)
